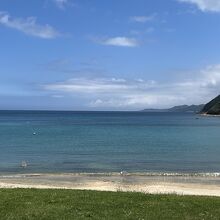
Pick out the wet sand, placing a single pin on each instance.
(183, 185)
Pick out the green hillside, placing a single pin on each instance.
(213, 107)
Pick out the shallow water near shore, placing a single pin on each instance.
(71, 142)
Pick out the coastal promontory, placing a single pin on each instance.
(212, 107)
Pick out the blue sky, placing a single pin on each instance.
(108, 55)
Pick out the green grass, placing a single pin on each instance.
(75, 204)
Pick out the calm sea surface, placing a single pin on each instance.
(108, 142)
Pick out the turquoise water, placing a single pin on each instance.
(108, 142)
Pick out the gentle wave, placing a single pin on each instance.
(123, 173)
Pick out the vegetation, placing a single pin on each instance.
(74, 204)
(213, 107)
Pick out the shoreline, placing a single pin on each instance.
(114, 173)
(153, 184)
(209, 115)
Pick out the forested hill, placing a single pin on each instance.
(213, 107)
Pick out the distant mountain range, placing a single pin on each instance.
(212, 108)
(180, 108)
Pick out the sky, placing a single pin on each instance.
(108, 55)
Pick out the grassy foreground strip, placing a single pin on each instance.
(74, 204)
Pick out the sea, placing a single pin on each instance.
(105, 142)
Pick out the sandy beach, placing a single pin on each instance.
(182, 185)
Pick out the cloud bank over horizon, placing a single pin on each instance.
(136, 94)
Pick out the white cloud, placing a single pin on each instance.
(28, 26)
(118, 80)
(139, 93)
(61, 4)
(120, 42)
(84, 85)
(57, 96)
(205, 5)
(143, 19)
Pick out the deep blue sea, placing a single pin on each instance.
(108, 142)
